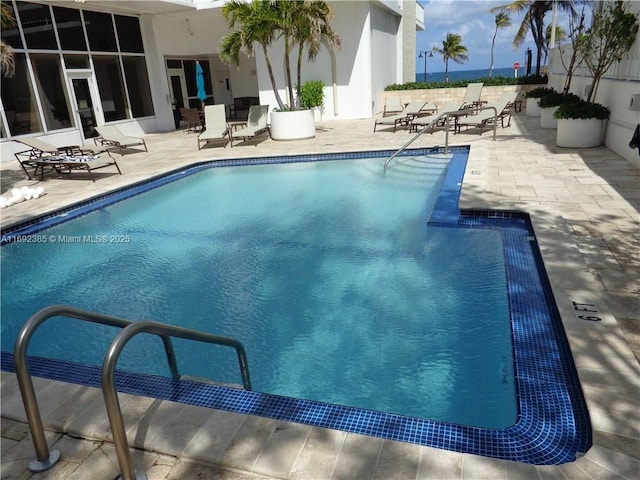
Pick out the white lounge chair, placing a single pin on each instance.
(392, 105)
(488, 115)
(110, 135)
(408, 113)
(256, 123)
(216, 128)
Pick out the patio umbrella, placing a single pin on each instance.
(202, 94)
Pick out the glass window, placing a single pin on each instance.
(76, 61)
(135, 73)
(19, 100)
(111, 87)
(11, 35)
(129, 35)
(69, 26)
(99, 26)
(55, 104)
(37, 25)
(174, 63)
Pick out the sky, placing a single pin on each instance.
(473, 21)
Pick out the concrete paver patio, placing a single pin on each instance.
(584, 206)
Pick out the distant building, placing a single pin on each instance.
(84, 63)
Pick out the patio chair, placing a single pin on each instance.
(487, 115)
(63, 163)
(419, 123)
(392, 104)
(256, 123)
(40, 150)
(110, 135)
(192, 118)
(216, 128)
(403, 118)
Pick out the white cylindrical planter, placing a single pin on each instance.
(533, 109)
(579, 133)
(293, 125)
(546, 117)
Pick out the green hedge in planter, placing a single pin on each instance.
(582, 110)
(539, 92)
(312, 94)
(556, 99)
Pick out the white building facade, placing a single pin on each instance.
(132, 64)
(619, 90)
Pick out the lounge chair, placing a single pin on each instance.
(421, 122)
(392, 105)
(39, 151)
(110, 135)
(216, 129)
(487, 115)
(472, 96)
(256, 123)
(408, 113)
(64, 163)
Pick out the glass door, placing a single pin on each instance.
(177, 84)
(86, 104)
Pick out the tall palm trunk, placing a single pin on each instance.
(287, 64)
(272, 78)
(493, 43)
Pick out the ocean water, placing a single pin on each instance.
(468, 74)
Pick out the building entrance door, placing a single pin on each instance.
(86, 103)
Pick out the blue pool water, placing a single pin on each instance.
(376, 263)
(326, 272)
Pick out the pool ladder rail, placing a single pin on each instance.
(447, 116)
(45, 458)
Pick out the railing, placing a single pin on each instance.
(432, 124)
(45, 459)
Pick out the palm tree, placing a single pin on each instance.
(560, 36)
(6, 52)
(453, 49)
(255, 23)
(313, 29)
(502, 21)
(533, 21)
(299, 22)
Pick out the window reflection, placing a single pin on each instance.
(69, 26)
(19, 101)
(99, 26)
(55, 104)
(111, 87)
(135, 72)
(37, 26)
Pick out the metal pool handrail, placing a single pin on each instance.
(45, 459)
(109, 382)
(446, 134)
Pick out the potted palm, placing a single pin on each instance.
(550, 103)
(533, 96)
(301, 24)
(612, 34)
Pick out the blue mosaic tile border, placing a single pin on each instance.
(553, 425)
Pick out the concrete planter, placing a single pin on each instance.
(546, 117)
(533, 109)
(293, 125)
(580, 133)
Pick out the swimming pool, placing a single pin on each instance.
(238, 269)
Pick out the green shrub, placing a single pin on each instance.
(556, 99)
(488, 82)
(583, 110)
(312, 94)
(539, 92)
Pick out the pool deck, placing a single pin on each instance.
(585, 208)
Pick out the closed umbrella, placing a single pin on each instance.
(202, 94)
